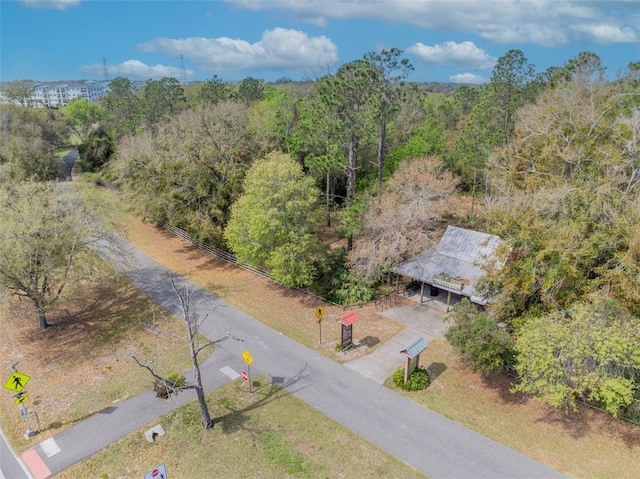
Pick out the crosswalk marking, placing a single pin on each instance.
(230, 372)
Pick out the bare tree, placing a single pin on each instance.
(192, 323)
(402, 221)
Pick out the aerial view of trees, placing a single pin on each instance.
(47, 241)
(548, 161)
(273, 224)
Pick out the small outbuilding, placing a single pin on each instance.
(412, 352)
(454, 265)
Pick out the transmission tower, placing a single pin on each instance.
(183, 73)
(104, 67)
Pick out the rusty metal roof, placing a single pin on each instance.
(460, 255)
(348, 318)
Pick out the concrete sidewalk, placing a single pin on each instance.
(426, 441)
(422, 320)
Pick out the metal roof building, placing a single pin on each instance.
(455, 264)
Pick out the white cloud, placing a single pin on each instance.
(548, 36)
(279, 49)
(464, 55)
(50, 4)
(467, 78)
(605, 34)
(137, 70)
(541, 22)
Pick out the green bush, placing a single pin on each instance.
(355, 288)
(480, 339)
(96, 150)
(418, 379)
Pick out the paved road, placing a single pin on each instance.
(430, 443)
(12, 467)
(69, 159)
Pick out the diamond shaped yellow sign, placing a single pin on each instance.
(247, 357)
(17, 382)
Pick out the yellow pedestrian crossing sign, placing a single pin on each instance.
(247, 357)
(319, 313)
(17, 382)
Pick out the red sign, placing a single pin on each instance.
(155, 473)
(244, 376)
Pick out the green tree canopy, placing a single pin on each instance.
(47, 237)
(214, 91)
(249, 90)
(160, 99)
(97, 149)
(123, 107)
(19, 91)
(190, 171)
(566, 193)
(28, 137)
(85, 116)
(589, 351)
(273, 224)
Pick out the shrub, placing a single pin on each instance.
(418, 379)
(479, 339)
(96, 150)
(172, 385)
(354, 289)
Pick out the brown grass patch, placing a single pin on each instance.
(586, 444)
(81, 363)
(283, 309)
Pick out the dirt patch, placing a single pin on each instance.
(81, 363)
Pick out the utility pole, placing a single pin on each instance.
(183, 72)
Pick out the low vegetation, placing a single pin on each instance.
(418, 379)
(250, 439)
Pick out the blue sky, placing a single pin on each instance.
(445, 40)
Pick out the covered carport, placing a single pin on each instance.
(454, 265)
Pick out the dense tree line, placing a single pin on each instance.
(549, 161)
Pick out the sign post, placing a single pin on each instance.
(320, 315)
(159, 472)
(16, 383)
(347, 320)
(248, 359)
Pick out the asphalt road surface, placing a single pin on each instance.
(430, 443)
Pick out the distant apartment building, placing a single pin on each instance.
(59, 93)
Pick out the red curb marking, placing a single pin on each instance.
(35, 464)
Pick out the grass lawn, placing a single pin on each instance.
(62, 152)
(267, 434)
(587, 444)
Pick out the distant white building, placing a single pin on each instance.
(59, 93)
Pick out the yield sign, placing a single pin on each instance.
(17, 382)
